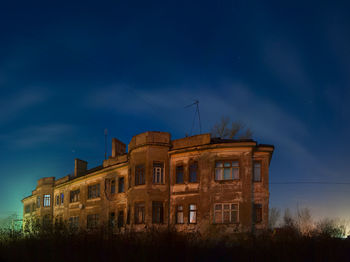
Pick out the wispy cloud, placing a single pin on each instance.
(36, 136)
(13, 105)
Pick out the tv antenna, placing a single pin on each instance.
(196, 103)
(106, 134)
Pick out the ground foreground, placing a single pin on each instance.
(169, 246)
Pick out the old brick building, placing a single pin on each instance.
(193, 183)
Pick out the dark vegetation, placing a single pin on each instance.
(286, 243)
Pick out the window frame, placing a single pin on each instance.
(177, 213)
(121, 186)
(140, 175)
(94, 191)
(113, 191)
(190, 211)
(255, 213)
(157, 212)
(260, 175)
(223, 167)
(223, 210)
(74, 196)
(61, 198)
(92, 221)
(139, 207)
(179, 169)
(191, 164)
(47, 200)
(161, 179)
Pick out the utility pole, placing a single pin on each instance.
(196, 103)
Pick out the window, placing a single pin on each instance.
(57, 200)
(94, 191)
(128, 216)
(111, 219)
(140, 175)
(74, 222)
(120, 219)
(33, 207)
(225, 213)
(179, 174)
(157, 212)
(113, 186)
(38, 202)
(139, 213)
(227, 170)
(92, 221)
(257, 171)
(158, 174)
(179, 214)
(121, 185)
(62, 198)
(193, 172)
(192, 219)
(47, 200)
(74, 196)
(27, 209)
(257, 213)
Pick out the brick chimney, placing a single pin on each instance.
(80, 167)
(118, 147)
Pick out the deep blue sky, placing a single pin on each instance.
(70, 70)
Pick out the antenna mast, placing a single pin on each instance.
(196, 103)
(106, 134)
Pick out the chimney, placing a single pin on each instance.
(80, 167)
(118, 147)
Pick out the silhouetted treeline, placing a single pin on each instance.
(61, 243)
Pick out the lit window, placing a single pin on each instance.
(139, 213)
(158, 174)
(94, 191)
(179, 214)
(179, 174)
(226, 170)
(192, 214)
(47, 200)
(157, 212)
(193, 172)
(257, 171)
(225, 213)
(62, 198)
(121, 185)
(140, 175)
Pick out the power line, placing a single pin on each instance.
(310, 182)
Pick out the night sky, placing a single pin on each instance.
(70, 70)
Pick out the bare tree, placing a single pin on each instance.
(274, 216)
(304, 220)
(227, 129)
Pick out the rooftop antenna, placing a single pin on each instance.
(106, 134)
(196, 103)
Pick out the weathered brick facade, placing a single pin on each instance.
(195, 183)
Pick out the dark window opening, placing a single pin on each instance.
(139, 213)
(193, 172)
(140, 175)
(157, 212)
(120, 219)
(113, 186)
(257, 213)
(179, 174)
(121, 185)
(94, 191)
